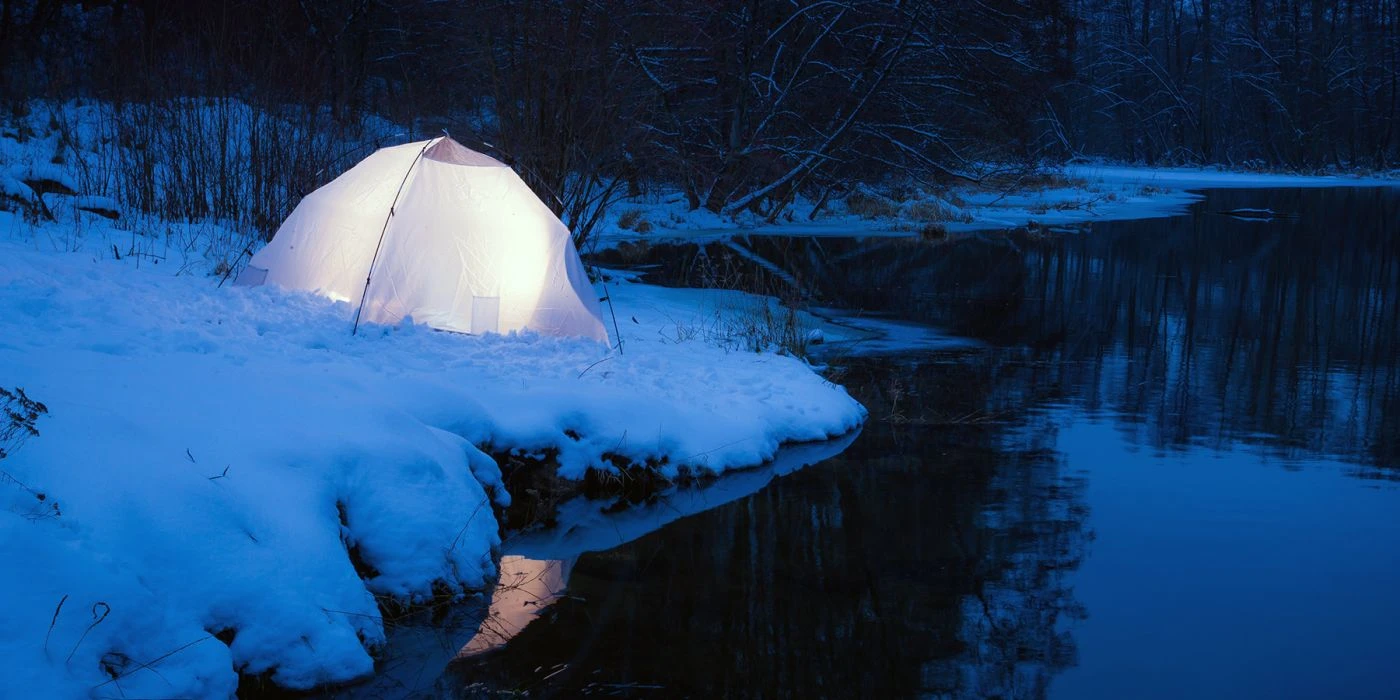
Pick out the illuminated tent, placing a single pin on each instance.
(436, 231)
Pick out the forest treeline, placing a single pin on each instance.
(1298, 84)
(742, 104)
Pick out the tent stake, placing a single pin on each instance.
(382, 231)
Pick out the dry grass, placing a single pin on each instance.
(870, 205)
(935, 209)
(1033, 181)
(753, 325)
(633, 220)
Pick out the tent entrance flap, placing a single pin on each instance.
(486, 315)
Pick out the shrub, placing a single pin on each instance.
(18, 414)
(758, 325)
(935, 209)
(1032, 180)
(629, 219)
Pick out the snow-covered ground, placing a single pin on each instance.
(217, 454)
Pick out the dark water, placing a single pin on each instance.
(1171, 470)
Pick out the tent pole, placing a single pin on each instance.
(382, 231)
(608, 295)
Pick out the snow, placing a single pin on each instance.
(12, 187)
(1207, 178)
(46, 172)
(1091, 192)
(204, 445)
(1115, 192)
(207, 479)
(96, 203)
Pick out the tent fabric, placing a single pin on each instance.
(468, 246)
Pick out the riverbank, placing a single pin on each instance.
(226, 481)
(1074, 195)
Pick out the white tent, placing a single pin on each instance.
(436, 231)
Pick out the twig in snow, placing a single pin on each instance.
(222, 475)
(96, 620)
(187, 454)
(149, 664)
(463, 531)
(53, 622)
(627, 686)
(708, 452)
(595, 364)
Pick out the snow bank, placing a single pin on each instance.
(11, 187)
(53, 175)
(1207, 178)
(596, 526)
(233, 461)
(206, 488)
(1113, 192)
(1103, 193)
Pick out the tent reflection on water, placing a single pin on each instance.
(527, 586)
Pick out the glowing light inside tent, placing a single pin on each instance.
(517, 278)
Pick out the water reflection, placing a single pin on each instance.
(928, 558)
(525, 588)
(535, 570)
(1206, 329)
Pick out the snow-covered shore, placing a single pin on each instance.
(231, 461)
(227, 481)
(1086, 193)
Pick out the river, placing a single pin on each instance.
(1168, 466)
